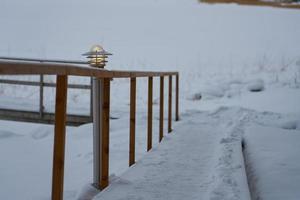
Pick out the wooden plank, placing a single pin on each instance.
(132, 121)
(104, 179)
(170, 105)
(161, 109)
(41, 106)
(35, 68)
(177, 98)
(256, 3)
(59, 138)
(150, 113)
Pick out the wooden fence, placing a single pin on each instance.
(62, 71)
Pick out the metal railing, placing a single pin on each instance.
(62, 71)
(40, 115)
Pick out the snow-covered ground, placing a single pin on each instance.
(204, 154)
(240, 78)
(278, 176)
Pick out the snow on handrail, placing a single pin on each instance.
(13, 67)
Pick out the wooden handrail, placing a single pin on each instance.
(62, 71)
(35, 68)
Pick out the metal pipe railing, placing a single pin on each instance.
(44, 60)
(41, 110)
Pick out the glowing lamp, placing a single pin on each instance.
(97, 56)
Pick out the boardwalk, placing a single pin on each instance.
(177, 169)
(201, 159)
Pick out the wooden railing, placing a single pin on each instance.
(62, 71)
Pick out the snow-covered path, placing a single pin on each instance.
(201, 159)
(176, 169)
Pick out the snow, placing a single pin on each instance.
(295, 124)
(223, 52)
(229, 174)
(172, 170)
(256, 86)
(272, 156)
(204, 158)
(188, 164)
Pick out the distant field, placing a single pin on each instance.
(291, 4)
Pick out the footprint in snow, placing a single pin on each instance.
(8, 134)
(40, 133)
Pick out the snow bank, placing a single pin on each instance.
(88, 192)
(256, 85)
(229, 177)
(294, 124)
(271, 155)
(229, 180)
(273, 162)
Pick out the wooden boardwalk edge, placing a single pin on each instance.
(255, 3)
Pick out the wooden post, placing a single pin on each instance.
(161, 109)
(177, 98)
(104, 175)
(150, 113)
(59, 137)
(41, 109)
(170, 105)
(91, 99)
(132, 121)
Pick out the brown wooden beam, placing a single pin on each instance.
(59, 138)
(177, 98)
(275, 4)
(132, 121)
(170, 105)
(104, 175)
(34, 68)
(41, 105)
(150, 113)
(161, 109)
